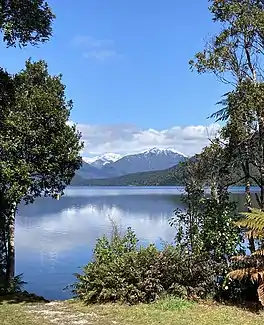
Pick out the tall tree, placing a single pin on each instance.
(40, 150)
(234, 53)
(235, 56)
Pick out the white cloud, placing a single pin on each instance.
(99, 49)
(101, 55)
(91, 42)
(124, 139)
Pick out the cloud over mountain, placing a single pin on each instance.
(127, 139)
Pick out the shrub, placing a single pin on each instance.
(15, 286)
(120, 271)
(123, 271)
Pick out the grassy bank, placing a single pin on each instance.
(167, 312)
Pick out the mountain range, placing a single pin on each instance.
(114, 165)
(101, 161)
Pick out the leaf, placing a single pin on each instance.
(254, 220)
(261, 293)
(254, 234)
(244, 273)
(259, 252)
(238, 258)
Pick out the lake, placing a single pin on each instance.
(55, 238)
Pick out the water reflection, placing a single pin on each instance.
(69, 225)
(54, 238)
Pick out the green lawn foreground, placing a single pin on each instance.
(168, 311)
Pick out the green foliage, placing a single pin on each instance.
(14, 286)
(206, 226)
(219, 235)
(236, 50)
(120, 272)
(173, 304)
(27, 21)
(40, 150)
(205, 229)
(123, 271)
(251, 267)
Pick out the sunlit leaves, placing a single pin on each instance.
(236, 50)
(40, 151)
(27, 21)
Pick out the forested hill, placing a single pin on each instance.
(166, 177)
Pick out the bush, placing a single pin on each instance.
(15, 286)
(123, 271)
(120, 272)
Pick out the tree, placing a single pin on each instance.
(40, 151)
(27, 21)
(235, 56)
(206, 224)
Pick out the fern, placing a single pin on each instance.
(261, 293)
(251, 266)
(257, 234)
(254, 221)
(258, 252)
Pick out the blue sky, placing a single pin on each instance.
(125, 63)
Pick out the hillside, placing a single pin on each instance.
(112, 165)
(150, 160)
(166, 177)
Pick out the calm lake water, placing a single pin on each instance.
(55, 238)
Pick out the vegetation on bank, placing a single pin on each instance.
(194, 267)
(207, 258)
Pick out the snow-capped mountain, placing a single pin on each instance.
(152, 159)
(87, 171)
(112, 165)
(162, 151)
(100, 161)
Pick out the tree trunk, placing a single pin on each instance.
(10, 270)
(248, 204)
(214, 190)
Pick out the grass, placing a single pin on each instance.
(169, 311)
